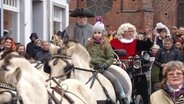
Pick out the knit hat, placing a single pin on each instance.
(98, 19)
(155, 46)
(98, 27)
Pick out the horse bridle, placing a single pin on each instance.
(13, 92)
(69, 68)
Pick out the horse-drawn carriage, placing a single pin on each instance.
(77, 61)
(22, 83)
(138, 68)
(77, 56)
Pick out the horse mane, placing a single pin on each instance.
(79, 49)
(10, 56)
(4, 53)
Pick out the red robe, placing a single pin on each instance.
(129, 47)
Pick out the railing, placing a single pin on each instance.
(12, 3)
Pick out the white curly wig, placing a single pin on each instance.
(124, 27)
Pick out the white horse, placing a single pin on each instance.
(72, 91)
(24, 86)
(80, 58)
(21, 71)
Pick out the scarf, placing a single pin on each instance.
(174, 93)
(123, 40)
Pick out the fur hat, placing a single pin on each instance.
(162, 26)
(124, 27)
(82, 12)
(98, 27)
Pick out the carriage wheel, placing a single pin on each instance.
(139, 100)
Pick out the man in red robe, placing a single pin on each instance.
(126, 39)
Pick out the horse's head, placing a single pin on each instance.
(9, 73)
(9, 78)
(59, 65)
(18, 77)
(75, 50)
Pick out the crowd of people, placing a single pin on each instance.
(164, 44)
(35, 50)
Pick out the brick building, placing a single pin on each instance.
(141, 13)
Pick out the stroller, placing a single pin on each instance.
(139, 74)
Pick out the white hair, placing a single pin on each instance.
(124, 27)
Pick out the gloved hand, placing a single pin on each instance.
(101, 67)
(104, 66)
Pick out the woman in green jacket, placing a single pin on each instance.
(102, 57)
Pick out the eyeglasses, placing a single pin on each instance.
(172, 74)
(129, 31)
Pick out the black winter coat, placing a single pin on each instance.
(164, 56)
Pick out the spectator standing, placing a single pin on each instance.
(179, 44)
(168, 53)
(22, 51)
(2, 39)
(174, 33)
(172, 90)
(155, 71)
(9, 44)
(56, 38)
(181, 31)
(38, 42)
(81, 30)
(161, 32)
(31, 45)
(43, 55)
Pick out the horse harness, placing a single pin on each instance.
(69, 68)
(61, 91)
(13, 92)
(38, 65)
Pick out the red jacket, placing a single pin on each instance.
(129, 47)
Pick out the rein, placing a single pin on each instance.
(63, 92)
(69, 68)
(10, 89)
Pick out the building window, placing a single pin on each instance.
(127, 8)
(57, 14)
(180, 13)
